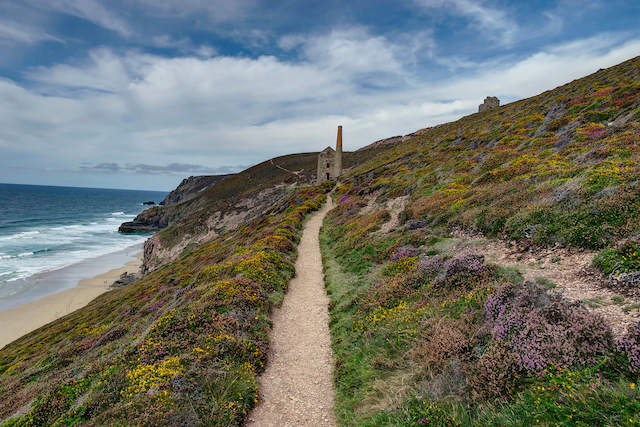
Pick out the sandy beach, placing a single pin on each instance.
(24, 318)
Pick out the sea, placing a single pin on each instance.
(47, 228)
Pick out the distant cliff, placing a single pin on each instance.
(159, 217)
(192, 187)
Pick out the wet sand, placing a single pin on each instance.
(24, 318)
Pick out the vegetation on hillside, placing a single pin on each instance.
(421, 335)
(190, 217)
(426, 336)
(561, 167)
(183, 345)
(439, 340)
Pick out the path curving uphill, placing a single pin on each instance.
(296, 389)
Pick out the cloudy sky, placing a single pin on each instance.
(141, 93)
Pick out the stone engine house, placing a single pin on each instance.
(330, 161)
(489, 103)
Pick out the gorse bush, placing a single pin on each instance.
(625, 258)
(607, 260)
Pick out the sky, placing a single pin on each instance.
(142, 93)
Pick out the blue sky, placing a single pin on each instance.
(142, 93)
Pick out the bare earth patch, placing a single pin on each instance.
(395, 207)
(297, 387)
(571, 271)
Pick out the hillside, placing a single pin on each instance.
(138, 354)
(480, 272)
(226, 204)
(183, 345)
(485, 271)
(192, 187)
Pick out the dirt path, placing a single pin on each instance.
(297, 387)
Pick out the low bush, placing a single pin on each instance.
(542, 330)
(629, 345)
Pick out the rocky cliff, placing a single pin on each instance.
(192, 187)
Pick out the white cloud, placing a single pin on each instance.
(14, 32)
(215, 10)
(102, 71)
(353, 51)
(546, 69)
(184, 45)
(91, 10)
(291, 41)
(492, 22)
(134, 108)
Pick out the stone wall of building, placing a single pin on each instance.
(489, 102)
(330, 161)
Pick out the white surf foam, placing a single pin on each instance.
(31, 252)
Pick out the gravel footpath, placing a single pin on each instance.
(297, 387)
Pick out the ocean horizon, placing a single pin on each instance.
(47, 228)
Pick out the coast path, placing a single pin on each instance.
(296, 389)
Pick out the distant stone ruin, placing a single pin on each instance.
(489, 102)
(330, 161)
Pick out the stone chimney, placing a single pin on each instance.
(489, 102)
(338, 160)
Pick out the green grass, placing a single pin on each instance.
(618, 300)
(595, 302)
(354, 371)
(545, 283)
(606, 260)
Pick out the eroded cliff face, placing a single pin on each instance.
(149, 220)
(176, 205)
(159, 251)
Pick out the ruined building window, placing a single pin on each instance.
(327, 175)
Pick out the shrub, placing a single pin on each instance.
(387, 293)
(494, 374)
(624, 259)
(402, 266)
(629, 256)
(629, 345)
(541, 330)
(443, 341)
(472, 264)
(606, 260)
(416, 225)
(404, 252)
(431, 266)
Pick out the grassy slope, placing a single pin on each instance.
(415, 339)
(548, 168)
(183, 345)
(187, 218)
